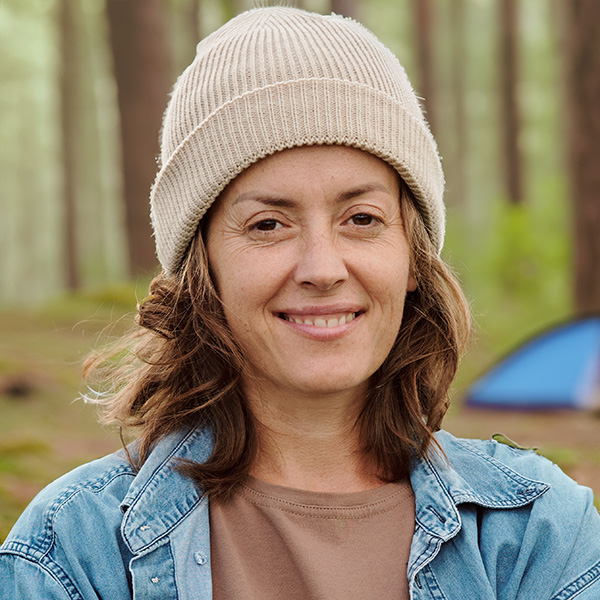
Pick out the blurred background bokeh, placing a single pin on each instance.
(511, 89)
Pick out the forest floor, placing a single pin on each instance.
(46, 430)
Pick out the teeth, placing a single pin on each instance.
(321, 321)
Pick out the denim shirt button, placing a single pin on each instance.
(200, 558)
(155, 580)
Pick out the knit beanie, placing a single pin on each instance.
(277, 78)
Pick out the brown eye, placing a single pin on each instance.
(362, 219)
(267, 225)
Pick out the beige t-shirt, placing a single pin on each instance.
(271, 542)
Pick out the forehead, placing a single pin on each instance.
(319, 167)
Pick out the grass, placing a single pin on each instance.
(46, 429)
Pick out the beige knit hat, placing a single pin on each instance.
(276, 78)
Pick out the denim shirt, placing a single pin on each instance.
(492, 522)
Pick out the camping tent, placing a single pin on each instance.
(556, 370)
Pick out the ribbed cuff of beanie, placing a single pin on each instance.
(285, 115)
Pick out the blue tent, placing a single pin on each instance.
(556, 370)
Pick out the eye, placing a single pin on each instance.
(363, 219)
(266, 225)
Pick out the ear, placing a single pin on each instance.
(411, 284)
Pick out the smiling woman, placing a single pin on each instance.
(289, 373)
(288, 271)
(312, 265)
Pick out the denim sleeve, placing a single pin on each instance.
(25, 579)
(67, 543)
(564, 528)
(582, 571)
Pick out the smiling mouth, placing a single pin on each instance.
(320, 321)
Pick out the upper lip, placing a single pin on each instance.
(318, 311)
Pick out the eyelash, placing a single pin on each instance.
(256, 226)
(373, 218)
(273, 224)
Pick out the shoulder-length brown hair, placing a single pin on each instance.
(182, 368)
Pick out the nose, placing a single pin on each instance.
(321, 263)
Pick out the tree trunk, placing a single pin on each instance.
(424, 42)
(348, 8)
(583, 109)
(93, 228)
(138, 39)
(195, 20)
(510, 121)
(69, 94)
(458, 176)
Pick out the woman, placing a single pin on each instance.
(293, 363)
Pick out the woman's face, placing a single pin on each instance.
(311, 261)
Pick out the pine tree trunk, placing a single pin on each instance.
(583, 108)
(348, 8)
(510, 121)
(195, 20)
(140, 53)
(458, 176)
(92, 212)
(424, 41)
(69, 99)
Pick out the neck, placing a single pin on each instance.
(310, 441)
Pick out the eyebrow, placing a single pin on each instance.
(265, 199)
(279, 202)
(361, 190)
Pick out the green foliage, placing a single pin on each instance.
(567, 458)
(516, 270)
(109, 302)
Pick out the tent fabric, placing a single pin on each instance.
(556, 370)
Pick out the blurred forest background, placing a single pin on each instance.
(511, 89)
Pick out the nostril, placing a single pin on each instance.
(323, 273)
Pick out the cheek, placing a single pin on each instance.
(389, 272)
(246, 283)
(233, 289)
(227, 266)
(393, 285)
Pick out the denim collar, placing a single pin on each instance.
(160, 497)
(463, 474)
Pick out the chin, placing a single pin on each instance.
(328, 386)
